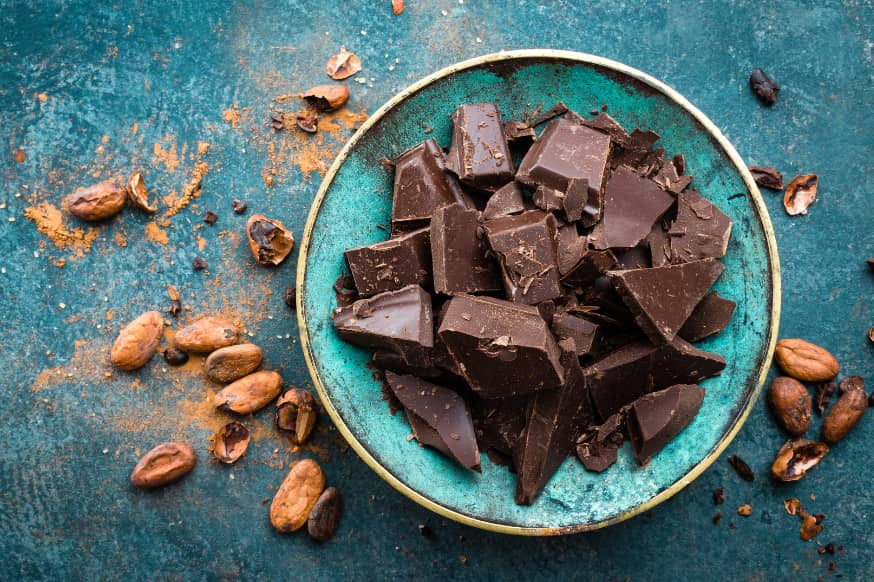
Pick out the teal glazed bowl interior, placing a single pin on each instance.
(353, 208)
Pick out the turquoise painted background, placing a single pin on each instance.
(174, 69)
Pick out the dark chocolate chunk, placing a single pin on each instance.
(767, 177)
(679, 362)
(526, 247)
(700, 231)
(620, 378)
(584, 333)
(632, 205)
(592, 264)
(421, 184)
(389, 360)
(392, 264)
(501, 348)
(663, 298)
(546, 309)
(499, 423)
(444, 412)
(578, 204)
(505, 201)
(668, 178)
(555, 111)
(598, 447)
(764, 88)
(400, 321)
(656, 418)
(710, 317)
(344, 291)
(550, 428)
(518, 132)
(634, 258)
(567, 150)
(458, 253)
(637, 150)
(570, 248)
(659, 245)
(479, 154)
(548, 199)
(610, 126)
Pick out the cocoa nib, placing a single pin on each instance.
(742, 468)
(767, 177)
(291, 298)
(175, 357)
(718, 497)
(822, 396)
(175, 301)
(796, 457)
(307, 120)
(210, 217)
(238, 206)
(277, 120)
(764, 88)
(199, 264)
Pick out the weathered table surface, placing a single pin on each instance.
(89, 93)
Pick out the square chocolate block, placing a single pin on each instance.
(392, 264)
(479, 154)
(422, 184)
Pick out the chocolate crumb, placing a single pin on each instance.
(604, 107)
(593, 112)
(829, 548)
(731, 525)
(424, 530)
(199, 264)
(175, 300)
(742, 468)
(307, 120)
(387, 164)
(277, 120)
(717, 518)
(718, 497)
(291, 297)
(832, 566)
(210, 217)
(238, 206)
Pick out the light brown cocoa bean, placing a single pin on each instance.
(791, 404)
(327, 97)
(844, 415)
(296, 497)
(232, 362)
(249, 393)
(137, 341)
(166, 463)
(296, 413)
(206, 335)
(806, 361)
(97, 202)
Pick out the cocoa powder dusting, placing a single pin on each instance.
(52, 222)
(191, 190)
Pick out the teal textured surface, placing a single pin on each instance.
(66, 509)
(574, 497)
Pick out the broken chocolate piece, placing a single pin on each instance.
(620, 378)
(556, 110)
(582, 331)
(443, 411)
(655, 419)
(518, 132)
(567, 150)
(659, 245)
(570, 248)
(679, 362)
(458, 252)
(767, 177)
(710, 317)
(400, 321)
(499, 423)
(479, 154)
(392, 264)
(663, 298)
(548, 199)
(668, 178)
(636, 152)
(598, 447)
(700, 231)
(632, 205)
(592, 264)
(579, 204)
(344, 291)
(525, 245)
(603, 122)
(421, 185)
(550, 428)
(634, 258)
(389, 360)
(505, 201)
(501, 348)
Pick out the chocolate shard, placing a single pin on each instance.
(663, 298)
(605, 123)
(564, 151)
(390, 360)
(422, 185)
(655, 419)
(400, 321)
(518, 132)
(559, 108)
(458, 253)
(710, 317)
(598, 447)
(344, 291)
(479, 154)
(584, 333)
(570, 248)
(700, 231)
(592, 264)
(659, 244)
(632, 205)
(505, 201)
(392, 264)
(620, 378)
(526, 247)
(443, 411)
(548, 199)
(679, 362)
(501, 348)
(499, 423)
(668, 179)
(553, 417)
(579, 204)
(636, 150)
(634, 258)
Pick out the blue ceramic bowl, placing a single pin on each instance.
(355, 200)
